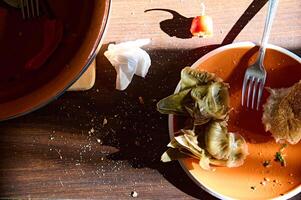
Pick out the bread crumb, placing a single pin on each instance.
(141, 100)
(263, 183)
(266, 179)
(92, 130)
(134, 194)
(105, 121)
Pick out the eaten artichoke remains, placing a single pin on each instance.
(282, 114)
(204, 98)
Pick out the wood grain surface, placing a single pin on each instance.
(104, 143)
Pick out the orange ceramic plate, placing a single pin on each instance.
(284, 69)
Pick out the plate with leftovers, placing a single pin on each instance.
(228, 150)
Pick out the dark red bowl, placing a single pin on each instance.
(21, 91)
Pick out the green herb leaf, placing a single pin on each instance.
(279, 158)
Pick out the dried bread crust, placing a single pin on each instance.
(282, 114)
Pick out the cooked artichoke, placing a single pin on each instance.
(221, 148)
(204, 98)
(191, 78)
(215, 104)
(237, 154)
(217, 141)
(174, 104)
(282, 114)
(184, 145)
(229, 149)
(238, 150)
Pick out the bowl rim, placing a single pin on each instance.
(287, 195)
(93, 54)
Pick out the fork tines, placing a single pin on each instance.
(254, 84)
(30, 8)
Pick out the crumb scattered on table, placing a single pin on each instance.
(105, 121)
(134, 194)
(141, 100)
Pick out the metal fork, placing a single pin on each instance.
(256, 74)
(31, 7)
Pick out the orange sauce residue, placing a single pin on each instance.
(283, 71)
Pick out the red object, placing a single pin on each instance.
(52, 35)
(3, 12)
(202, 26)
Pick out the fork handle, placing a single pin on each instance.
(267, 29)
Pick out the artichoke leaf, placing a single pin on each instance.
(173, 154)
(185, 150)
(193, 142)
(227, 149)
(174, 104)
(187, 139)
(217, 141)
(217, 101)
(191, 77)
(186, 144)
(198, 117)
(238, 150)
(204, 162)
(199, 92)
(212, 101)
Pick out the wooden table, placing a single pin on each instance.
(103, 143)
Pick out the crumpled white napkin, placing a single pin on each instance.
(128, 59)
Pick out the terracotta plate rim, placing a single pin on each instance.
(287, 195)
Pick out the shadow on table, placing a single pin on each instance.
(140, 132)
(143, 132)
(133, 125)
(179, 25)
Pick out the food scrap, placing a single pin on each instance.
(134, 194)
(266, 163)
(266, 179)
(204, 98)
(279, 158)
(105, 121)
(141, 101)
(202, 26)
(282, 114)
